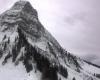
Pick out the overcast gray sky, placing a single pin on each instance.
(74, 23)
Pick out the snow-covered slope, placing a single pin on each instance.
(29, 52)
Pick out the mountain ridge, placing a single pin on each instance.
(24, 41)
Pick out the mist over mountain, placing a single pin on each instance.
(29, 52)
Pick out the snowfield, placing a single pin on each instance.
(11, 72)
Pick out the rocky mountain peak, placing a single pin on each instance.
(24, 16)
(20, 11)
(21, 4)
(24, 6)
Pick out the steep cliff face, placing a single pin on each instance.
(26, 44)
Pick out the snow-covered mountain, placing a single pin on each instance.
(29, 52)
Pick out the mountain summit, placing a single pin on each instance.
(29, 52)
